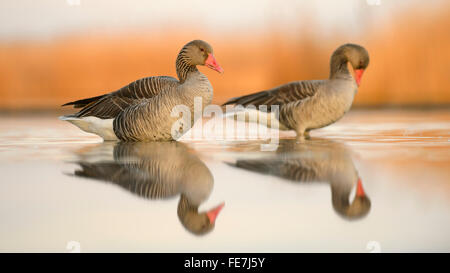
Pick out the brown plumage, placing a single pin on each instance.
(307, 105)
(112, 104)
(156, 170)
(141, 110)
(315, 161)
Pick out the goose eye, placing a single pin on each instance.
(201, 49)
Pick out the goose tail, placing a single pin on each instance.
(269, 119)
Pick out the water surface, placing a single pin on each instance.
(374, 181)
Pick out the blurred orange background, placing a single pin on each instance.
(409, 51)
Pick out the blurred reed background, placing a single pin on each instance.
(45, 64)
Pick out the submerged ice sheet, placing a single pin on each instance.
(374, 181)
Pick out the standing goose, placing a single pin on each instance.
(141, 111)
(317, 161)
(307, 105)
(156, 170)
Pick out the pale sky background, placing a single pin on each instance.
(32, 19)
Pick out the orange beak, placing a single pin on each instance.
(212, 214)
(359, 189)
(358, 75)
(212, 63)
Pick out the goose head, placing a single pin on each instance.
(198, 223)
(196, 190)
(356, 55)
(358, 208)
(198, 52)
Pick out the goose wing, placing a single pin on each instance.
(111, 104)
(281, 95)
(292, 169)
(135, 169)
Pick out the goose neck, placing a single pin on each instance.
(338, 67)
(184, 67)
(185, 206)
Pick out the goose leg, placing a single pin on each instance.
(301, 135)
(301, 139)
(306, 134)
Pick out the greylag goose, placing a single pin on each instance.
(141, 111)
(317, 161)
(156, 170)
(307, 105)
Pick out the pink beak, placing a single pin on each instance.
(212, 214)
(358, 75)
(212, 63)
(359, 189)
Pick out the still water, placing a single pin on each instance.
(374, 181)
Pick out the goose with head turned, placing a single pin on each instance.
(312, 104)
(157, 170)
(317, 161)
(141, 110)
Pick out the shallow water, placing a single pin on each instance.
(62, 189)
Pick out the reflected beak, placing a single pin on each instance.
(212, 63)
(359, 189)
(212, 214)
(358, 76)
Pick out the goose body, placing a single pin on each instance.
(316, 161)
(308, 105)
(156, 170)
(142, 110)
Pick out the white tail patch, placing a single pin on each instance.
(94, 125)
(256, 116)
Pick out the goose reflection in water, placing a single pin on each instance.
(317, 160)
(156, 171)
